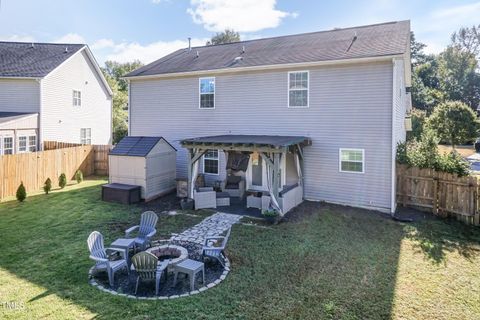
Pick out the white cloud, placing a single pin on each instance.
(242, 16)
(129, 51)
(18, 38)
(70, 38)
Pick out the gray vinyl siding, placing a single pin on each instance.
(19, 95)
(60, 120)
(350, 107)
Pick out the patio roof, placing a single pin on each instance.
(246, 142)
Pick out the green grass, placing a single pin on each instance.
(334, 263)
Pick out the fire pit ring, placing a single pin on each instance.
(176, 254)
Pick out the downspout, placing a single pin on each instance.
(129, 109)
(393, 147)
(39, 118)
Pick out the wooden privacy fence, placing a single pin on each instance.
(444, 194)
(34, 168)
(100, 154)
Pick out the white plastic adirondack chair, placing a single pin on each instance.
(146, 229)
(210, 249)
(148, 269)
(98, 253)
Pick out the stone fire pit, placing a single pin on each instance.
(176, 254)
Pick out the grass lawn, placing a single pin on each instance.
(327, 262)
(465, 150)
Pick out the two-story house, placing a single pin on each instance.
(51, 92)
(324, 110)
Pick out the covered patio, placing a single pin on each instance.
(266, 169)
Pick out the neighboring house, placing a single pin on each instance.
(344, 90)
(51, 92)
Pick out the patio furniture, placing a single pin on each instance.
(235, 186)
(121, 193)
(125, 245)
(147, 268)
(210, 249)
(190, 268)
(100, 255)
(205, 197)
(223, 199)
(146, 229)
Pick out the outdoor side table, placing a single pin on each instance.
(125, 245)
(191, 268)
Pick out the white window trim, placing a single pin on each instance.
(86, 137)
(308, 90)
(26, 143)
(29, 145)
(218, 164)
(340, 160)
(73, 98)
(214, 93)
(3, 144)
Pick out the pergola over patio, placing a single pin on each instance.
(270, 147)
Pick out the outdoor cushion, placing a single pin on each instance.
(232, 186)
(222, 195)
(234, 180)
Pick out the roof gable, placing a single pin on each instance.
(339, 44)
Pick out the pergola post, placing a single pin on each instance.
(276, 174)
(193, 156)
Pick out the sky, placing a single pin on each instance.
(124, 30)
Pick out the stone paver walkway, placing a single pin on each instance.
(214, 225)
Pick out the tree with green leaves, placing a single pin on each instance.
(468, 40)
(114, 71)
(227, 36)
(453, 122)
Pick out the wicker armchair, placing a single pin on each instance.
(205, 198)
(235, 186)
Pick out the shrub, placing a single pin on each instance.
(62, 181)
(79, 176)
(418, 118)
(21, 193)
(47, 186)
(453, 122)
(424, 154)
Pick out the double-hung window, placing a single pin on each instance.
(86, 136)
(7, 145)
(22, 144)
(298, 89)
(207, 93)
(77, 98)
(32, 143)
(210, 162)
(352, 160)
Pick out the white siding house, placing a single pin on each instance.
(62, 86)
(349, 97)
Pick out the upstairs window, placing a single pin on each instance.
(298, 89)
(352, 160)
(77, 98)
(210, 162)
(207, 93)
(86, 136)
(32, 143)
(22, 144)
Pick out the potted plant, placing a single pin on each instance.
(270, 215)
(186, 204)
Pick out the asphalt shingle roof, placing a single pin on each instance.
(358, 42)
(135, 146)
(9, 116)
(21, 59)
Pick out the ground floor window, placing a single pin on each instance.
(352, 160)
(32, 143)
(7, 145)
(86, 136)
(22, 144)
(210, 162)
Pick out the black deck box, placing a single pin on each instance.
(121, 193)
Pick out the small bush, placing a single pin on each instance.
(62, 181)
(79, 176)
(47, 186)
(418, 118)
(424, 154)
(21, 193)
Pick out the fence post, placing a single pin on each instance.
(435, 193)
(476, 194)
